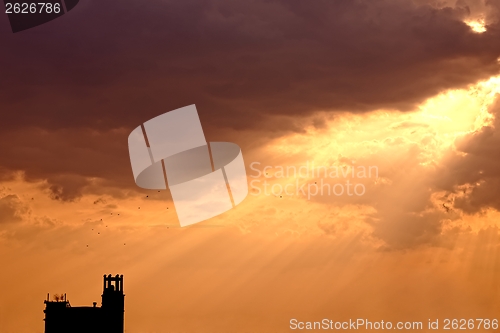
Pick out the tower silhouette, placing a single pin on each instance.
(61, 317)
(113, 303)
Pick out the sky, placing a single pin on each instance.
(396, 97)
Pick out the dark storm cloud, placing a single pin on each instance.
(246, 65)
(108, 64)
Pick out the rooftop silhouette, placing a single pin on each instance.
(61, 317)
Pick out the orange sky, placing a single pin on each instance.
(422, 242)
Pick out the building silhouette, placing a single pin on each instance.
(61, 317)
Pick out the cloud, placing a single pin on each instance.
(257, 69)
(69, 160)
(261, 66)
(11, 209)
(239, 61)
(473, 169)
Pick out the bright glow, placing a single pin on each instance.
(433, 127)
(478, 26)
